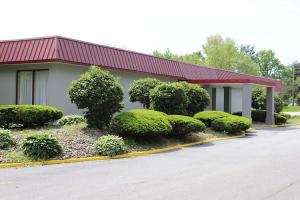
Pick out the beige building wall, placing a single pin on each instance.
(60, 77)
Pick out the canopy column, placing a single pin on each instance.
(270, 106)
(247, 100)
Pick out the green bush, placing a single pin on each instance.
(231, 124)
(110, 145)
(208, 116)
(41, 146)
(139, 90)
(197, 97)
(280, 119)
(141, 123)
(99, 93)
(259, 100)
(6, 140)
(71, 120)
(28, 115)
(260, 116)
(288, 116)
(182, 125)
(168, 98)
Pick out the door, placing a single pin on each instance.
(32, 87)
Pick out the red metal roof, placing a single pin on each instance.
(56, 48)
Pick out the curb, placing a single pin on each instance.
(128, 155)
(274, 126)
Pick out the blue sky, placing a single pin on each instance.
(145, 26)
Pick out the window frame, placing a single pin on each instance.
(33, 82)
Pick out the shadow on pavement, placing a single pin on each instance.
(209, 144)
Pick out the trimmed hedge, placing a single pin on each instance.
(110, 145)
(71, 120)
(168, 98)
(280, 119)
(6, 140)
(197, 97)
(41, 146)
(260, 116)
(139, 90)
(28, 115)
(208, 116)
(141, 123)
(231, 124)
(183, 125)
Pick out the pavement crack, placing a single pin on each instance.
(281, 190)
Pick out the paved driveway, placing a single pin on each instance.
(265, 165)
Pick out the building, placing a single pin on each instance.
(39, 71)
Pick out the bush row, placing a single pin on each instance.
(145, 123)
(170, 98)
(224, 122)
(260, 116)
(27, 115)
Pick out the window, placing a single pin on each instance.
(32, 87)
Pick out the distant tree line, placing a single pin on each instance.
(226, 54)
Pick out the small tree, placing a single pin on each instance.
(168, 98)
(139, 90)
(100, 93)
(259, 100)
(197, 97)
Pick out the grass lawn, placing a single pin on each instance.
(77, 141)
(294, 120)
(291, 109)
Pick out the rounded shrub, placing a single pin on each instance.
(110, 145)
(168, 98)
(41, 146)
(99, 93)
(28, 115)
(71, 120)
(183, 125)
(280, 119)
(197, 97)
(141, 123)
(208, 116)
(139, 90)
(260, 116)
(231, 124)
(6, 140)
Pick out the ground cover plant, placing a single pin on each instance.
(110, 145)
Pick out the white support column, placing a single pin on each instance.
(270, 106)
(246, 101)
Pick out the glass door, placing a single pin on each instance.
(25, 80)
(32, 87)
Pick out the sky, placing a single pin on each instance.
(145, 26)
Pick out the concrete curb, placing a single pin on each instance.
(274, 126)
(132, 154)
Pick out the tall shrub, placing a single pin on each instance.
(168, 98)
(139, 90)
(99, 93)
(197, 97)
